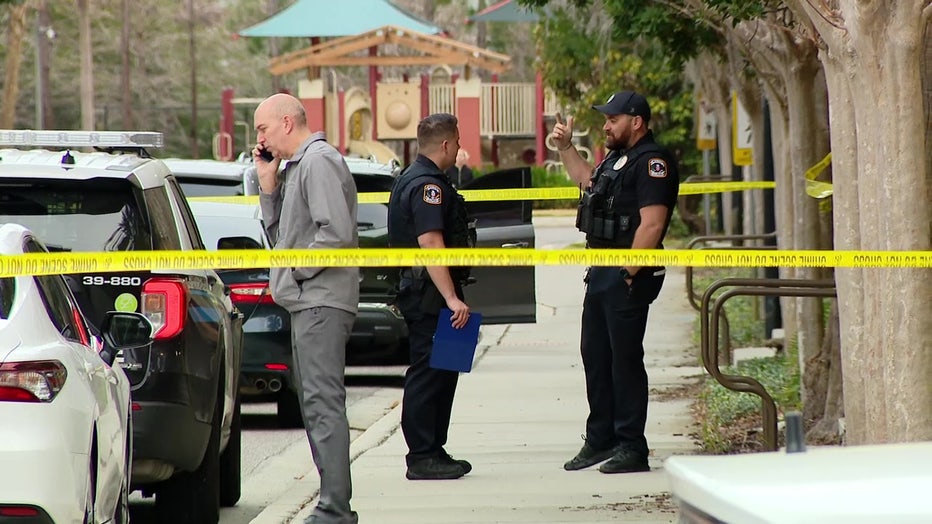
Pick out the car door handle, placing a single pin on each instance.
(516, 244)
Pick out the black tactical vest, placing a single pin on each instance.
(459, 230)
(608, 211)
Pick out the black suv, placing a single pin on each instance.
(379, 336)
(186, 422)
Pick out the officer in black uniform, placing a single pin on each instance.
(626, 204)
(425, 211)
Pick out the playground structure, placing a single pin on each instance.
(364, 123)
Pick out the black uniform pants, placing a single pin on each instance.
(428, 393)
(614, 320)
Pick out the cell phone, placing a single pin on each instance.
(559, 118)
(264, 154)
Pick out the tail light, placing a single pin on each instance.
(164, 303)
(272, 366)
(18, 511)
(250, 294)
(35, 381)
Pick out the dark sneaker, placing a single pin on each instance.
(467, 467)
(434, 469)
(588, 456)
(625, 461)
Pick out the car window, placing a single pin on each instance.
(7, 292)
(61, 307)
(190, 224)
(86, 215)
(165, 234)
(371, 216)
(503, 212)
(197, 187)
(214, 228)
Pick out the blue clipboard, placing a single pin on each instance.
(454, 349)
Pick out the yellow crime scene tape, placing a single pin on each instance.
(127, 261)
(816, 188)
(530, 193)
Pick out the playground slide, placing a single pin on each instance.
(370, 149)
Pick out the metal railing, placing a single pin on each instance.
(705, 239)
(690, 291)
(441, 98)
(709, 348)
(507, 109)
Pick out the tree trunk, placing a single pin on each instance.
(126, 96)
(87, 66)
(46, 119)
(270, 9)
(16, 29)
(803, 153)
(873, 61)
(192, 55)
(825, 428)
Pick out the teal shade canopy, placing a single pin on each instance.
(332, 18)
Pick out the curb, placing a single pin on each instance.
(306, 487)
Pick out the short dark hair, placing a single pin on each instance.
(434, 129)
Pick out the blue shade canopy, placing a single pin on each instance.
(330, 18)
(506, 11)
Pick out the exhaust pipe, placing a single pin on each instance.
(260, 384)
(275, 385)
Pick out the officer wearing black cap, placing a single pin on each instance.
(425, 210)
(627, 203)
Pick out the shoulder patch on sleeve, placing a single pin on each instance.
(657, 168)
(433, 194)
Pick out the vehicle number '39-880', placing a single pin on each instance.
(112, 281)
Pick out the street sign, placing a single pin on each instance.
(742, 133)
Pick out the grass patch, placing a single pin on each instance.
(730, 422)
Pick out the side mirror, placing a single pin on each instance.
(123, 330)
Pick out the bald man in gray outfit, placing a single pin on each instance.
(313, 206)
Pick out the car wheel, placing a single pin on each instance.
(289, 410)
(193, 497)
(231, 462)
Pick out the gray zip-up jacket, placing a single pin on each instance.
(313, 208)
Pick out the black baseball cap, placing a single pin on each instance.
(625, 103)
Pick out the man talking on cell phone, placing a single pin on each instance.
(313, 206)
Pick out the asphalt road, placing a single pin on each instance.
(272, 456)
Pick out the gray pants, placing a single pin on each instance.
(318, 341)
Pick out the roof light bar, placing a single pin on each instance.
(103, 139)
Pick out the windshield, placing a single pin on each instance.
(88, 215)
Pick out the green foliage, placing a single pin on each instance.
(541, 177)
(721, 412)
(745, 327)
(631, 55)
(721, 408)
(678, 230)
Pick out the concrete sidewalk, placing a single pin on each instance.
(517, 417)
